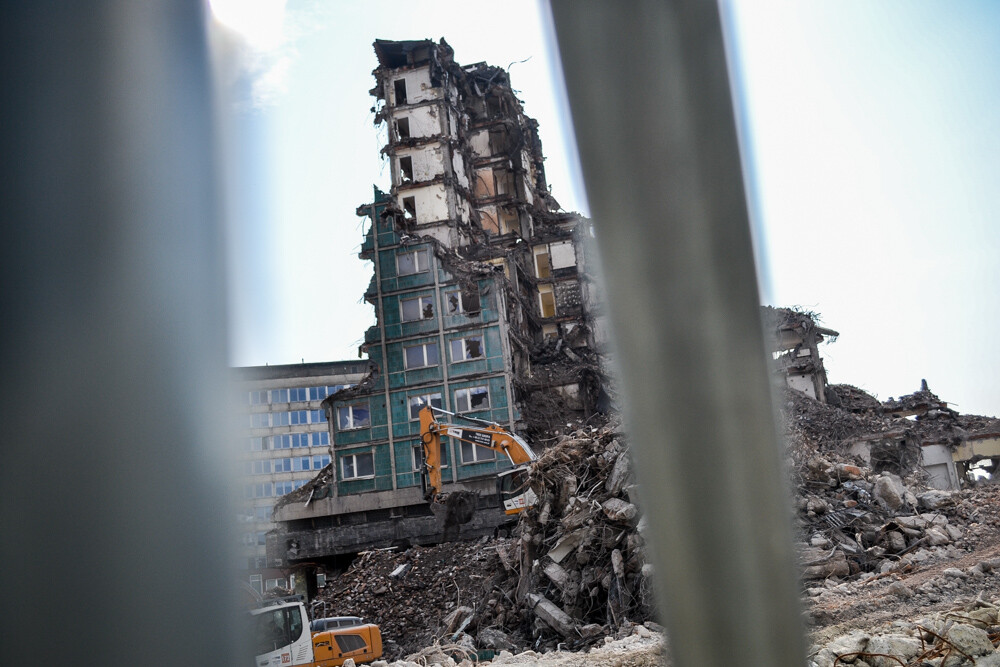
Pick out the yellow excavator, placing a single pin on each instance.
(513, 486)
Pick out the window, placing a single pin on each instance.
(281, 488)
(302, 463)
(462, 301)
(418, 456)
(350, 643)
(464, 349)
(281, 442)
(282, 465)
(317, 416)
(409, 208)
(300, 439)
(320, 579)
(276, 583)
(403, 128)
(320, 462)
(357, 466)
(279, 395)
(408, 263)
(418, 402)
(279, 419)
(262, 513)
(419, 356)
(298, 417)
(417, 308)
(258, 397)
(260, 420)
(320, 439)
(399, 88)
(474, 453)
(261, 537)
(543, 269)
(546, 301)
(262, 467)
(317, 393)
(473, 398)
(298, 394)
(256, 444)
(257, 583)
(406, 169)
(353, 416)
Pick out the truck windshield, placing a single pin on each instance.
(276, 628)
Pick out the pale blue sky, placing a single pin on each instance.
(870, 129)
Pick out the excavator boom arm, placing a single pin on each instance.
(491, 437)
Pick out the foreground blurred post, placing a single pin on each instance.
(653, 117)
(114, 514)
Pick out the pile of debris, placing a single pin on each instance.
(573, 573)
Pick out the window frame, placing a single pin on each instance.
(406, 357)
(430, 395)
(350, 408)
(354, 464)
(416, 263)
(468, 393)
(465, 349)
(417, 456)
(462, 294)
(421, 306)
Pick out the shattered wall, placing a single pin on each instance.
(795, 336)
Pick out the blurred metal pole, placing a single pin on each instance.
(653, 117)
(115, 518)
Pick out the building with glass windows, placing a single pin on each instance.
(475, 272)
(285, 442)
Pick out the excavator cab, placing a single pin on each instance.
(515, 492)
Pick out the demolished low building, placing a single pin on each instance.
(479, 292)
(795, 337)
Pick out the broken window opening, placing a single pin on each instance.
(417, 403)
(550, 331)
(466, 349)
(403, 128)
(461, 301)
(489, 223)
(499, 144)
(409, 263)
(421, 356)
(353, 416)
(409, 209)
(471, 399)
(509, 221)
(504, 182)
(417, 308)
(546, 301)
(399, 88)
(493, 106)
(485, 185)
(405, 170)
(543, 267)
(357, 466)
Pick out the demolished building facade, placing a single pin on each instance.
(478, 278)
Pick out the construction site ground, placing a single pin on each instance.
(893, 572)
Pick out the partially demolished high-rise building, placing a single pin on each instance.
(481, 302)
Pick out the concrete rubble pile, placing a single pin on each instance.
(965, 635)
(573, 572)
(866, 518)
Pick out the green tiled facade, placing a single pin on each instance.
(423, 344)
